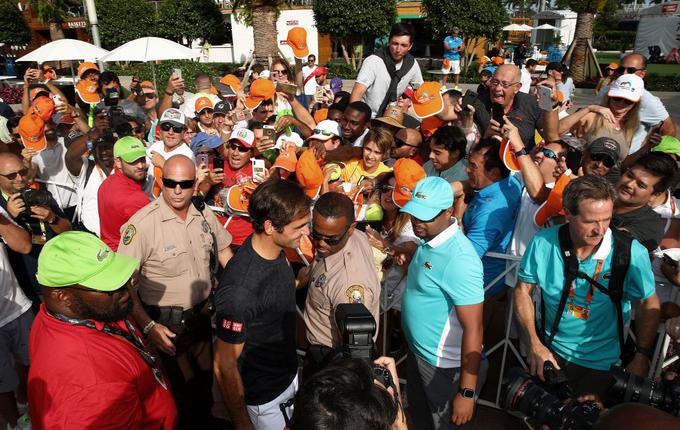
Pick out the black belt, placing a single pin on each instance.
(175, 317)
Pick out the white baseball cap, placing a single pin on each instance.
(294, 137)
(174, 117)
(243, 135)
(325, 130)
(627, 87)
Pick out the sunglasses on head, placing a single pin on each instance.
(628, 70)
(236, 147)
(331, 241)
(166, 126)
(150, 96)
(185, 185)
(398, 143)
(621, 100)
(604, 159)
(322, 132)
(11, 176)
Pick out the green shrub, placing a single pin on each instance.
(343, 70)
(654, 82)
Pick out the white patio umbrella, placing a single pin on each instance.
(526, 27)
(512, 27)
(65, 50)
(147, 49)
(546, 27)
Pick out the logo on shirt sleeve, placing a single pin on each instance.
(232, 326)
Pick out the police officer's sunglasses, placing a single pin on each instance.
(185, 185)
(331, 241)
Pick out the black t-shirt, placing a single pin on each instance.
(643, 224)
(525, 115)
(255, 305)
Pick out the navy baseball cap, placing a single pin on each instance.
(430, 196)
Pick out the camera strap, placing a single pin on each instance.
(619, 269)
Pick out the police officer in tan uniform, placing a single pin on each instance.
(341, 272)
(178, 247)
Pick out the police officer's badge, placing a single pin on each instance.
(128, 234)
(355, 294)
(205, 226)
(320, 281)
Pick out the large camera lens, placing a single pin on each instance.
(627, 387)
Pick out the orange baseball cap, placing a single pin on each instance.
(508, 156)
(297, 40)
(147, 84)
(552, 206)
(238, 198)
(87, 91)
(203, 103)
(43, 107)
(32, 132)
(429, 125)
(309, 174)
(49, 73)
(498, 60)
(287, 159)
(38, 91)
(85, 66)
(260, 90)
(446, 64)
(427, 100)
(232, 81)
(320, 115)
(613, 66)
(407, 173)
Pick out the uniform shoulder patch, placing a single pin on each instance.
(355, 293)
(128, 234)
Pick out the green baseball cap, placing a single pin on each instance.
(77, 257)
(129, 148)
(668, 145)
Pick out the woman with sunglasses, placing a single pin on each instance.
(617, 117)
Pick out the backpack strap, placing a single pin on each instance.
(620, 264)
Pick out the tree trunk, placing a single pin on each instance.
(56, 32)
(264, 33)
(343, 46)
(582, 33)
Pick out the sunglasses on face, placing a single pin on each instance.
(237, 147)
(11, 176)
(429, 220)
(627, 70)
(549, 153)
(150, 96)
(331, 241)
(278, 72)
(139, 129)
(206, 111)
(166, 126)
(607, 161)
(398, 143)
(621, 100)
(185, 185)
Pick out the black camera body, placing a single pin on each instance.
(357, 327)
(545, 402)
(33, 197)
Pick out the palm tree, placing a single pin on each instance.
(586, 10)
(262, 16)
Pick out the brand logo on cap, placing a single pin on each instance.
(626, 85)
(609, 145)
(101, 254)
(172, 114)
(135, 146)
(420, 195)
(424, 98)
(242, 133)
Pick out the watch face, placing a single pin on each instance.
(467, 392)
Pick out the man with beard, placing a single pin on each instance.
(179, 245)
(89, 365)
(121, 195)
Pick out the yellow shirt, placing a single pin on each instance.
(354, 171)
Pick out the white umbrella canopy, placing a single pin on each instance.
(546, 27)
(526, 27)
(513, 27)
(64, 50)
(150, 49)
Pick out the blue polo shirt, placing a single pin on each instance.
(489, 221)
(453, 43)
(591, 343)
(445, 272)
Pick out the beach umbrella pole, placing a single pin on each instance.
(153, 73)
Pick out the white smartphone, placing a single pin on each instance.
(545, 98)
(258, 168)
(177, 73)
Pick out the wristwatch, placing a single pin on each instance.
(468, 393)
(521, 152)
(645, 351)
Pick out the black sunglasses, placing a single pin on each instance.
(185, 185)
(604, 159)
(11, 176)
(398, 143)
(629, 70)
(332, 241)
(139, 128)
(166, 126)
(237, 147)
(621, 100)
(549, 153)
(150, 96)
(429, 220)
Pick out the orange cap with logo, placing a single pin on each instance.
(260, 90)
(553, 204)
(232, 81)
(32, 132)
(203, 103)
(35, 92)
(238, 198)
(87, 91)
(85, 66)
(43, 107)
(407, 173)
(427, 100)
(309, 174)
(297, 40)
(287, 160)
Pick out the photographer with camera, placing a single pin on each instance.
(442, 313)
(35, 211)
(588, 275)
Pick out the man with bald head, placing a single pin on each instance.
(407, 144)
(179, 245)
(42, 222)
(520, 108)
(652, 110)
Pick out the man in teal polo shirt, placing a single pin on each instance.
(586, 342)
(442, 312)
